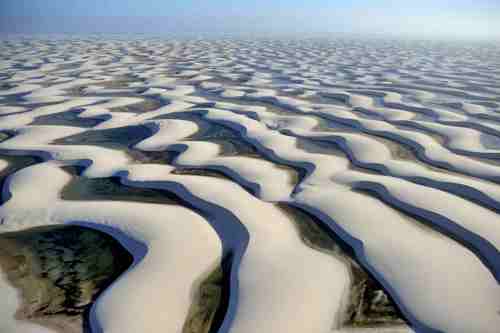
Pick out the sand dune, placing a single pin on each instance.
(201, 149)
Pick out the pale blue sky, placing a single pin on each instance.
(424, 18)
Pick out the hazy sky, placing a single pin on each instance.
(425, 18)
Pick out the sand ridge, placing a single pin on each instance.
(407, 177)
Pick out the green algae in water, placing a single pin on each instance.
(205, 304)
(83, 188)
(60, 270)
(368, 304)
(117, 138)
(68, 118)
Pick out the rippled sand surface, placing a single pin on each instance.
(263, 185)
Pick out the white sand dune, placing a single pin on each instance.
(275, 271)
(394, 147)
(169, 234)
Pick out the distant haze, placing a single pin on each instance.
(457, 19)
